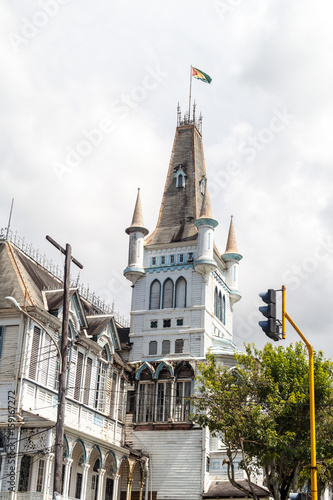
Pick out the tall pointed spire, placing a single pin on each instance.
(137, 220)
(183, 193)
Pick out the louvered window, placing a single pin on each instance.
(216, 307)
(44, 359)
(40, 475)
(121, 401)
(181, 292)
(87, 380)
(155, 295)
(167, 294)
(179, 346)
(113, 394)
(145, 402)
(101, 386)
(78, 376)
(34, 353)
(182, 402)
(24, 473)
(2, 332)
(163, 400)
(165, 346)
(153, 347)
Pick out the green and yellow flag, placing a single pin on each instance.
(197, 73)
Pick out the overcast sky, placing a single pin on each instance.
(89, 92)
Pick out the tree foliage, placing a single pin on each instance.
(261, 410)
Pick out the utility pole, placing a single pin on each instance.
(63, 369)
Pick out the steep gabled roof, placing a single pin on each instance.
(22, 278)
(181, 206)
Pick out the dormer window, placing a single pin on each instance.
(180, 177)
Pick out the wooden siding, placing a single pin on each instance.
(176, 462)
(9, 355)
(139, 295)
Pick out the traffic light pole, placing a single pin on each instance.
(285, 316)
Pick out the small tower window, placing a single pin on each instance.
(180, 178)
(155, 295)
(223, 309)
(203, 185)
(180, 300)
(167, 294)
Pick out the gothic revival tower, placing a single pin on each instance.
(182, 306)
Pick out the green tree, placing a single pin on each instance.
(261, 410)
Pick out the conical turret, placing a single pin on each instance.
(231, 257)
(136, 232)
(206, 225)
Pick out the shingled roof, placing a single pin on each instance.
(181, 206)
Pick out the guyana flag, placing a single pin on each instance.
(197, 73)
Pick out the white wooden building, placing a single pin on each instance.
(96, 463)
(184, 292)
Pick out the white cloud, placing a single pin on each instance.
(261, 56)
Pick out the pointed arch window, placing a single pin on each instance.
(155, 295)
(216, 300)
(180, 178)
(223, 310)
(220, 307)
(167, 294)
(180, 296)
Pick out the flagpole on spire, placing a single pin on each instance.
(189, 104)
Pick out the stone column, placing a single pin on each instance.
(116, 478)
(101, 473)
(67, 475)
(85, 468)
(47, 475)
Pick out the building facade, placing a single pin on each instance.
(96, 463)
(184, 291)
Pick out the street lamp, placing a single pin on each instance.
(16, 305)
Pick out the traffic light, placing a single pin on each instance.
(270, 326)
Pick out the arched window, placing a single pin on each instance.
(216, 300)
(155, 295)
(180, 292)
(220, 307)
(167, 294)
(223, 309)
